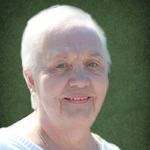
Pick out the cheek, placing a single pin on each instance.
(101, 86)
(50, 91)
(100, 82)
(51, 87)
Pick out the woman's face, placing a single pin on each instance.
(73, 81)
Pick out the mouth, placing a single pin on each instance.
(77, 99)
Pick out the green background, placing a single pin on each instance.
(124, 118)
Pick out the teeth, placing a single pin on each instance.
(77, 98)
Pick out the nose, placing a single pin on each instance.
(79, 79)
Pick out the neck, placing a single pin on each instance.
(67, 140)
(54, 137)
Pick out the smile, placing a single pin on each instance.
(77, 99)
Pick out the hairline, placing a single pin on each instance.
(95, 27)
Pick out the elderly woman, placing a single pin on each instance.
(65, 64)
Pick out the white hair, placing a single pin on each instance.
(48, 19)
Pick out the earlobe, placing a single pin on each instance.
(34, 101)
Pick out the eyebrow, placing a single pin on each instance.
(65, 56)
(97, 55)
(58, 56)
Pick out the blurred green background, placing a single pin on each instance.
(124, 118)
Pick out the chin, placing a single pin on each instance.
(80, 119)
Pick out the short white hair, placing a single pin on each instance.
(48, 19)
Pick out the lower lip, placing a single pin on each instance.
(78, 101)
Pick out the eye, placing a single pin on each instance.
(61, 66)
(92, 65)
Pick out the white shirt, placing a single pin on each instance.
(12, 141)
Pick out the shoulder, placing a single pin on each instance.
(12, 141)
(105, 145)
(5, 141)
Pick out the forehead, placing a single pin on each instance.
(75, 40)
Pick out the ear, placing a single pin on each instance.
(29, 79)
(31, 85)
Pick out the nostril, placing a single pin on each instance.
(79, 82)
(79, 79)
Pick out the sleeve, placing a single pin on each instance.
(110, 146)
